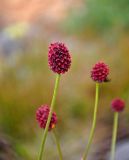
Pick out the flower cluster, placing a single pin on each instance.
(42, 116)
(59, 58)
(100, 72)
(118, 105)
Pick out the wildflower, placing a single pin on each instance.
(42, 116)
(59, 58)
(100, 72)
(118, 105)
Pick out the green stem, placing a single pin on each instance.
(58, 145)
(93, 123)
(49, 117)
(114, 135)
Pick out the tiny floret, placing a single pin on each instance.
(42, 116)
(59, 58)
(118, 105)
(100, 72)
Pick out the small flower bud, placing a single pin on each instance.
(118, 105)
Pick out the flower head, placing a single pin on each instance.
(42, 116)
(59, 58)
(100, 72)
(118, 105)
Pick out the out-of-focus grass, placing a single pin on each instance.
(99, 17)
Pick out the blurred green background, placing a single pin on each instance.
(93, 30)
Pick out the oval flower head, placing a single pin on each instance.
(59, 58)
(99, 72)
(42, 116)
(118, 105)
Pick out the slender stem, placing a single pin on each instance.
(49, 117)
(58, 145)
(93, 123)
(114, 135)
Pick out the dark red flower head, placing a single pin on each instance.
(59, 58)
(100, 72)
(42, 116)
(118, 105)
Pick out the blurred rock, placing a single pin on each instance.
(6, 150)
(122, 147)
(122, 150)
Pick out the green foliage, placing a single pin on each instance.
(78, 110)
(100, 16)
